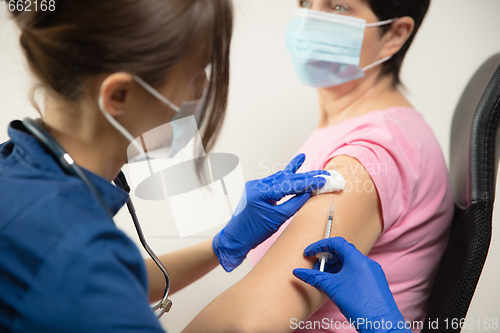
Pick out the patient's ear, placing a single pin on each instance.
(397, 36)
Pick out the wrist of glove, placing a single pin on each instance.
(229, 252)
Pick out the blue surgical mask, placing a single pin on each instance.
(326, 48)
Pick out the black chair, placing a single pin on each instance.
(474, 163)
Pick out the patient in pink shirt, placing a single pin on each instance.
(397, 205)
(403, 158)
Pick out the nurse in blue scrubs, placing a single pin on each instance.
(111, 71)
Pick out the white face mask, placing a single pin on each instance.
(182, 133)
(326, 48)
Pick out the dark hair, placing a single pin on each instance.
(389, 9)
(79, 40)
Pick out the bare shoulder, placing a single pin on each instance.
(358, 213)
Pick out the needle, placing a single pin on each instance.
(324, 256)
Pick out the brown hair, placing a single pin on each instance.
(79, 40)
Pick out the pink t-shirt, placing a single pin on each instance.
(400, 152)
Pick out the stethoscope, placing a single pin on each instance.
(73, 169)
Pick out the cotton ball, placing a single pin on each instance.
(334, 183)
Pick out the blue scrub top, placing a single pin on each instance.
(64, 266)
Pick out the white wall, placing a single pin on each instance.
(271, 113)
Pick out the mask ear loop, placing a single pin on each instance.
(381, 23)
(381, 61)
(376, 63)
(119, 127)
(156, 94)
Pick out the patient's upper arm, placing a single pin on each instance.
(270, 296)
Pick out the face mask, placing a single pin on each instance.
(326, 48)
(182, 132)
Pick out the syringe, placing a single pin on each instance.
(324, 256)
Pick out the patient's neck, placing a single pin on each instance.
(356, 98)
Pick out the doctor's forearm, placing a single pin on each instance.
(184, 267)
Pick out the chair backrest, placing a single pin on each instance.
(474, 160)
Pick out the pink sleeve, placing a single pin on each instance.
(384, 170)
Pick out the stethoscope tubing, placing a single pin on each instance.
(70, 167)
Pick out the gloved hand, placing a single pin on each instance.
(257, 216)
(356, 284)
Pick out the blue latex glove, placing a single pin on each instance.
(257, 216)
(356, 284)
